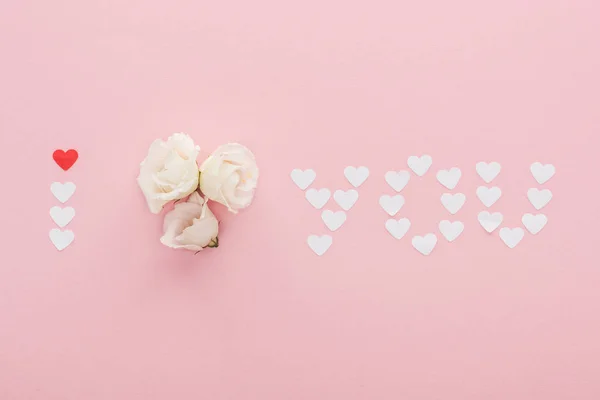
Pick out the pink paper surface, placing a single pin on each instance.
(311, 84)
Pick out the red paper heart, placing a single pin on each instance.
(65, 160)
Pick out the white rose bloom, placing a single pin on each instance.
(191, 225)
(170, 171)
(229, 176)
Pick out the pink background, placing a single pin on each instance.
(310, 84)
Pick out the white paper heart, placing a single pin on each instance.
(61, 239)
(534, 223)
(397, 228)
(542, 173)
(391, 204)
(345, 199)
(319, 244)
(424, 244)
(488, 196)
(397, 180)
(62, 191)
(488, 172)
(488, 221)
(333, 220)
(511, 237)
(356, 176)
(62, 216)
(420, 165)
(303, 179)
(449, 178)
(451, 230)
(539, 198)
(318, 197)
(453, 202)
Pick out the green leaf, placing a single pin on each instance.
(214, 243)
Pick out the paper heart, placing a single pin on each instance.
(488, 221)
(345, 199)
(534, 223)
(420, 165)
(333, 220)
(61, 239)
(317, 197)
(62, 191)
(488, 172)
(319, 244)
(356, 176)
(397, 228)
(451, 230)
(453, 202)
(539, 198)
(425, 244)
(542, 173)
(511, 237)
(397, 180)
(391, 204)
(62, 216)
(65, 160)
(449, 178)
(303, 179)
(488, 196)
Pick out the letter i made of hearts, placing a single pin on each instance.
(65, 159)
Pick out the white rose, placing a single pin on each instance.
(191, 225)
(229, 176)
(170, 171)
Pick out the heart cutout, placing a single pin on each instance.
(397, 180)
(490, 221)
(542, 173)
(62, 191)
(534, 223)
(317, 197)
(488, 172)
(420, 165)
(488, 196)
(319, 244)
(333, 220)
(397, 228)
(62, 216)
(539, 198)
(453, 202)
(356, 175)
(65, 159)
(511, 237)
(449, 178)
(346, 199)
(61, 239)
(303, 179)
(451, 230)
(391, 204)
(424, 244)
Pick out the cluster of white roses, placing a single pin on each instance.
(170, 173)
